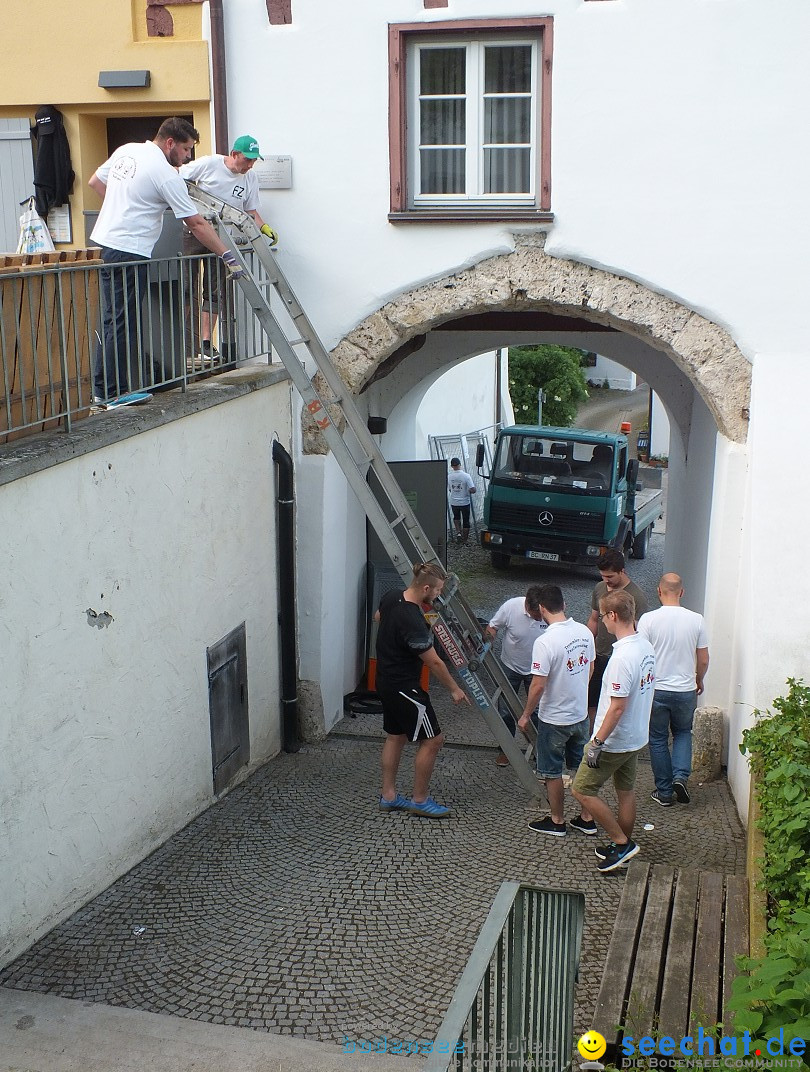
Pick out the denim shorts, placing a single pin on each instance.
(556, 744)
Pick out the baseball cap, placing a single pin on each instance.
(247, 146)
(47, 118)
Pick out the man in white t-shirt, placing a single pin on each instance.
(562, 664)
(678, 637)
(522, 623)
(230, 178)
(138, 183)
(620, 732)
(461, 486)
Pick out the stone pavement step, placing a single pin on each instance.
(43, 1033)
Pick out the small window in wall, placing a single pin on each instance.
(470, 118)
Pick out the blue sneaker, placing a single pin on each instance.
(618, 856)
(135, 398)
(399, 803)
(428, 808)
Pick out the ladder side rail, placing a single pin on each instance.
(342, 397)
(467, 623)
(383, 525)
(331, 433)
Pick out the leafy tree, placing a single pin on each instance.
(558, 370)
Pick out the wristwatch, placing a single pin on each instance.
(597, 742)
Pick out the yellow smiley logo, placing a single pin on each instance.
(592, 1045)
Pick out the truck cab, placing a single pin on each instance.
(564, 495)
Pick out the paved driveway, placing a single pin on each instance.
(293, 906)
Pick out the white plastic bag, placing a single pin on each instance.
(34, 234)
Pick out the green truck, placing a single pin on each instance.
(564, 495)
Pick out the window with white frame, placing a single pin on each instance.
(473, 109)
(470, 118)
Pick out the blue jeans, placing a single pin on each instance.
(671, 712)
(123, 285)
(560, 744)
(515, 679)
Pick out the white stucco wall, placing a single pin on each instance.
(617, 376)
(448, 402)
(105, 746)
(652, 178)
(659, 441)
(655, 184)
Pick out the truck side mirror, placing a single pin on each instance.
(479, 455)
(632, 471)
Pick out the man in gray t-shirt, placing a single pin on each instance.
(614, 579)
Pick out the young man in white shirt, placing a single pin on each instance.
(461, 486)
(138, 183)
(522, 623)
(230, 178)
(678, 637)
(620, 732)
(562, 664)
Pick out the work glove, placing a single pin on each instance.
(593, 754)
(271, 235)
(235, 269)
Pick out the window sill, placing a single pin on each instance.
(471, 215)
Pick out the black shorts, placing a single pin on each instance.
(409, 711)
(462, 514)
(595, 684)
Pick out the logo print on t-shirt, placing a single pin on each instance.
(124, 168)
(238, 191)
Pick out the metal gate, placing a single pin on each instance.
(464, 446)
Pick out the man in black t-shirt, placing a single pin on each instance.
(404, 646)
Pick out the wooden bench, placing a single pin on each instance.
(670, 963)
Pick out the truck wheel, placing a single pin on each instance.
(500, 560)
(641, 542)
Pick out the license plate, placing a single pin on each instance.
(546, 556)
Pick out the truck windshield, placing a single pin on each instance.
(580, 468)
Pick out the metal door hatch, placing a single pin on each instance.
(228, 707)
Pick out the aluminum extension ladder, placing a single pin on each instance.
(454, 624)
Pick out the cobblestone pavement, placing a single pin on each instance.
(293, 906)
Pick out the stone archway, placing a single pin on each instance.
(529, 279)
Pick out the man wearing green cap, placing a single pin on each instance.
(231, 179)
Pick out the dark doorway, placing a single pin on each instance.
(123, 129)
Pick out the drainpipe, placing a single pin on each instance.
(220, 89)
(285, 515)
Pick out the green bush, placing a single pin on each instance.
(779, 750)
(558, 370)
(775, 994)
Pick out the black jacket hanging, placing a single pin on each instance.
(53, 174)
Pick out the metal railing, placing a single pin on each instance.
(513, 1009)
(52, 337)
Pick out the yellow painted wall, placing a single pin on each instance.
(74, 43)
